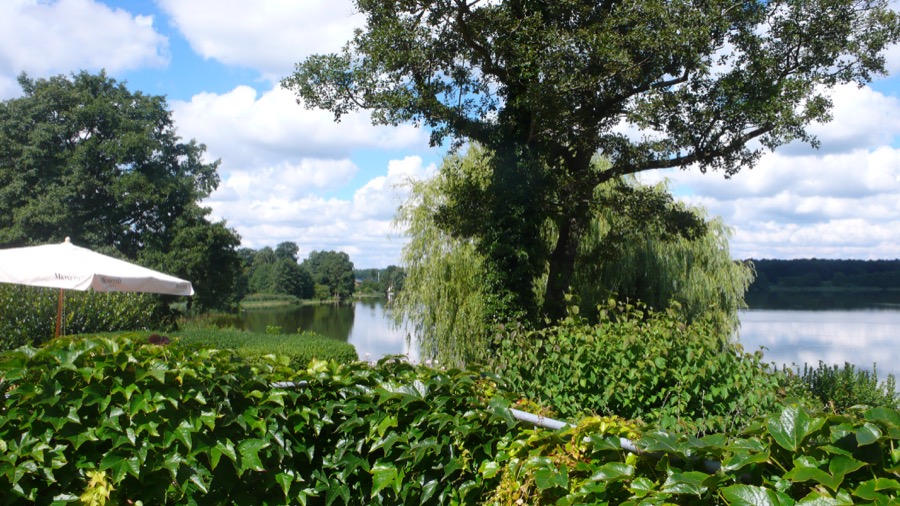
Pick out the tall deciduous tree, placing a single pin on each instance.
(84, 157)
(642, 244)
(546, 85)
(332, 269)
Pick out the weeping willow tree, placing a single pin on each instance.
(442, 298)
(643, 261)
(641, 245)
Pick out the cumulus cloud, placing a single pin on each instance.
(276, 205)
(49, 37)
(266, 35)
(247, 129)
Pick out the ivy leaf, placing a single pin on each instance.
(640, 487)
(868, 490)
(249, 451)
(613, 471)
(751, 495)
(383, 475)
(686, 483)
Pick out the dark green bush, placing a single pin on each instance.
(839, 388)
(300, 348)
(28, 314)
(640, 364)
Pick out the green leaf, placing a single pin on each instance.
(489, 469)
(867, 434)
(751, 495)
(793, 426)
(641, 486)
(613, 471)
(249, 450)
(120, 466)
(686, 483)
(868, 489)
(383, 475)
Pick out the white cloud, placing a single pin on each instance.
(247, 130)
(267, 35)
(47, 37)
(274, 205)
(380, 197)
(840, 202)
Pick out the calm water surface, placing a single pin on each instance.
(794, 329)
(362, 323)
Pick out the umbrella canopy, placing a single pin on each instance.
(69, 267)
(72, 267)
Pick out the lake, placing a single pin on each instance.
(794, 328)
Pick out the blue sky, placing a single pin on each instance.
(291, 174)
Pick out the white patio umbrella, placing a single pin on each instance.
(69, 267)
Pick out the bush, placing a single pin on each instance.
(299, 349)
(28, 314)
(839, 389)
(640, 364)
(793, 456)
(172, 424)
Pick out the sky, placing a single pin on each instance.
(293, 174)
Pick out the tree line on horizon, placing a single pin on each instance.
(817, 273)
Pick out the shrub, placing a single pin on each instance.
(28, 314)
(299, 349)
(270, 297)
(841, 388)
(793, 456)
(640, 364)
(171, 424)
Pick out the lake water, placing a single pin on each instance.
(362, 323)
(861, 329)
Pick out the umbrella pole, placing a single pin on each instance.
(59, 309)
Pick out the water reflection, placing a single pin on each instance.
(362, 323)
(860, 337)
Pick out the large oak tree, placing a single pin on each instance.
(84, 157)
(547, 85)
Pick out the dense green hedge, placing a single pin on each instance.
(640, 364)
(299, 348)
(120, 421)
(28, 314)
(173, 424)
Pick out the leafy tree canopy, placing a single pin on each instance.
(641, 245)
(546, 86)
(84, 157)
(332, 269)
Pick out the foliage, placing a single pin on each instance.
(268, 271)
(299, 348)
(646, 246)
(84, 157)
(651, 248)
(443, 299)
(643, 365)
(791, 457)
(382, 281)
(192, 426)
(270, 297)
(332, 269)
(28, 314)
(546, 86)
(805, 274)
(839, 389)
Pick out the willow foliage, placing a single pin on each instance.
(642, 262)
(442, 295)
(641, 245)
